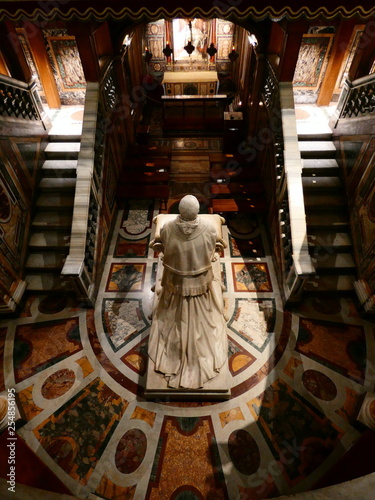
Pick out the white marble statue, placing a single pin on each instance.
(188, 339)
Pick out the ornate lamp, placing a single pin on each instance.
(167, 51)
(189, 48)
(211, 51)
(233, 55)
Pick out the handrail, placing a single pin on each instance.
(301, 266)
(77, 267)
(296, 263)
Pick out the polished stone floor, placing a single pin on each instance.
(297, 382)
(80, 373)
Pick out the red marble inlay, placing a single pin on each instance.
(131, 451)
(244, 452)
(58, 383)
(39, 345)
(186, 461)
(319, 385)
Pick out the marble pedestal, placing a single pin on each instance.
(216, 389)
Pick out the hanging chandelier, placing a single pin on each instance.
(190, 47)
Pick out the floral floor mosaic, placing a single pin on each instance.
(80, 374)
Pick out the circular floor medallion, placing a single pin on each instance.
(52, 304)
(58, 384)
(131, 451)
(244, 452)
(319, 385)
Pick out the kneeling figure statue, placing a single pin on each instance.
(188, 339)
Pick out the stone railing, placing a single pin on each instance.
(21, 101)
(82, 265)
(297, 265)
(78, 266)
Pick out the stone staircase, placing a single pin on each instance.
(327, 217)
(52, 216)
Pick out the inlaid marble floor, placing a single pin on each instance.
(298, 379)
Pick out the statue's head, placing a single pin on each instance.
(189, 207)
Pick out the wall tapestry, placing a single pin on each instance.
(311, 66)
(66, 66)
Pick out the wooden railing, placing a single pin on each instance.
(357, 98)
(357, 101)
(297, 264)
(21, 101)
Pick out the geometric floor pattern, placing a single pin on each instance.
(79, 375)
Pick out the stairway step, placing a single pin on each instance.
(53, 201)
(320, 167)
(316, 183)
(331, 283)
(67, 150)
(324, 136)
(45, 282)
(334, 263)
(52, 220)
(64, 137)
(59, 168)
(49, 239)
(328, 239)
(46, 261)
(57, 184)
(335, 219)
(317, 149)
(324, 201)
